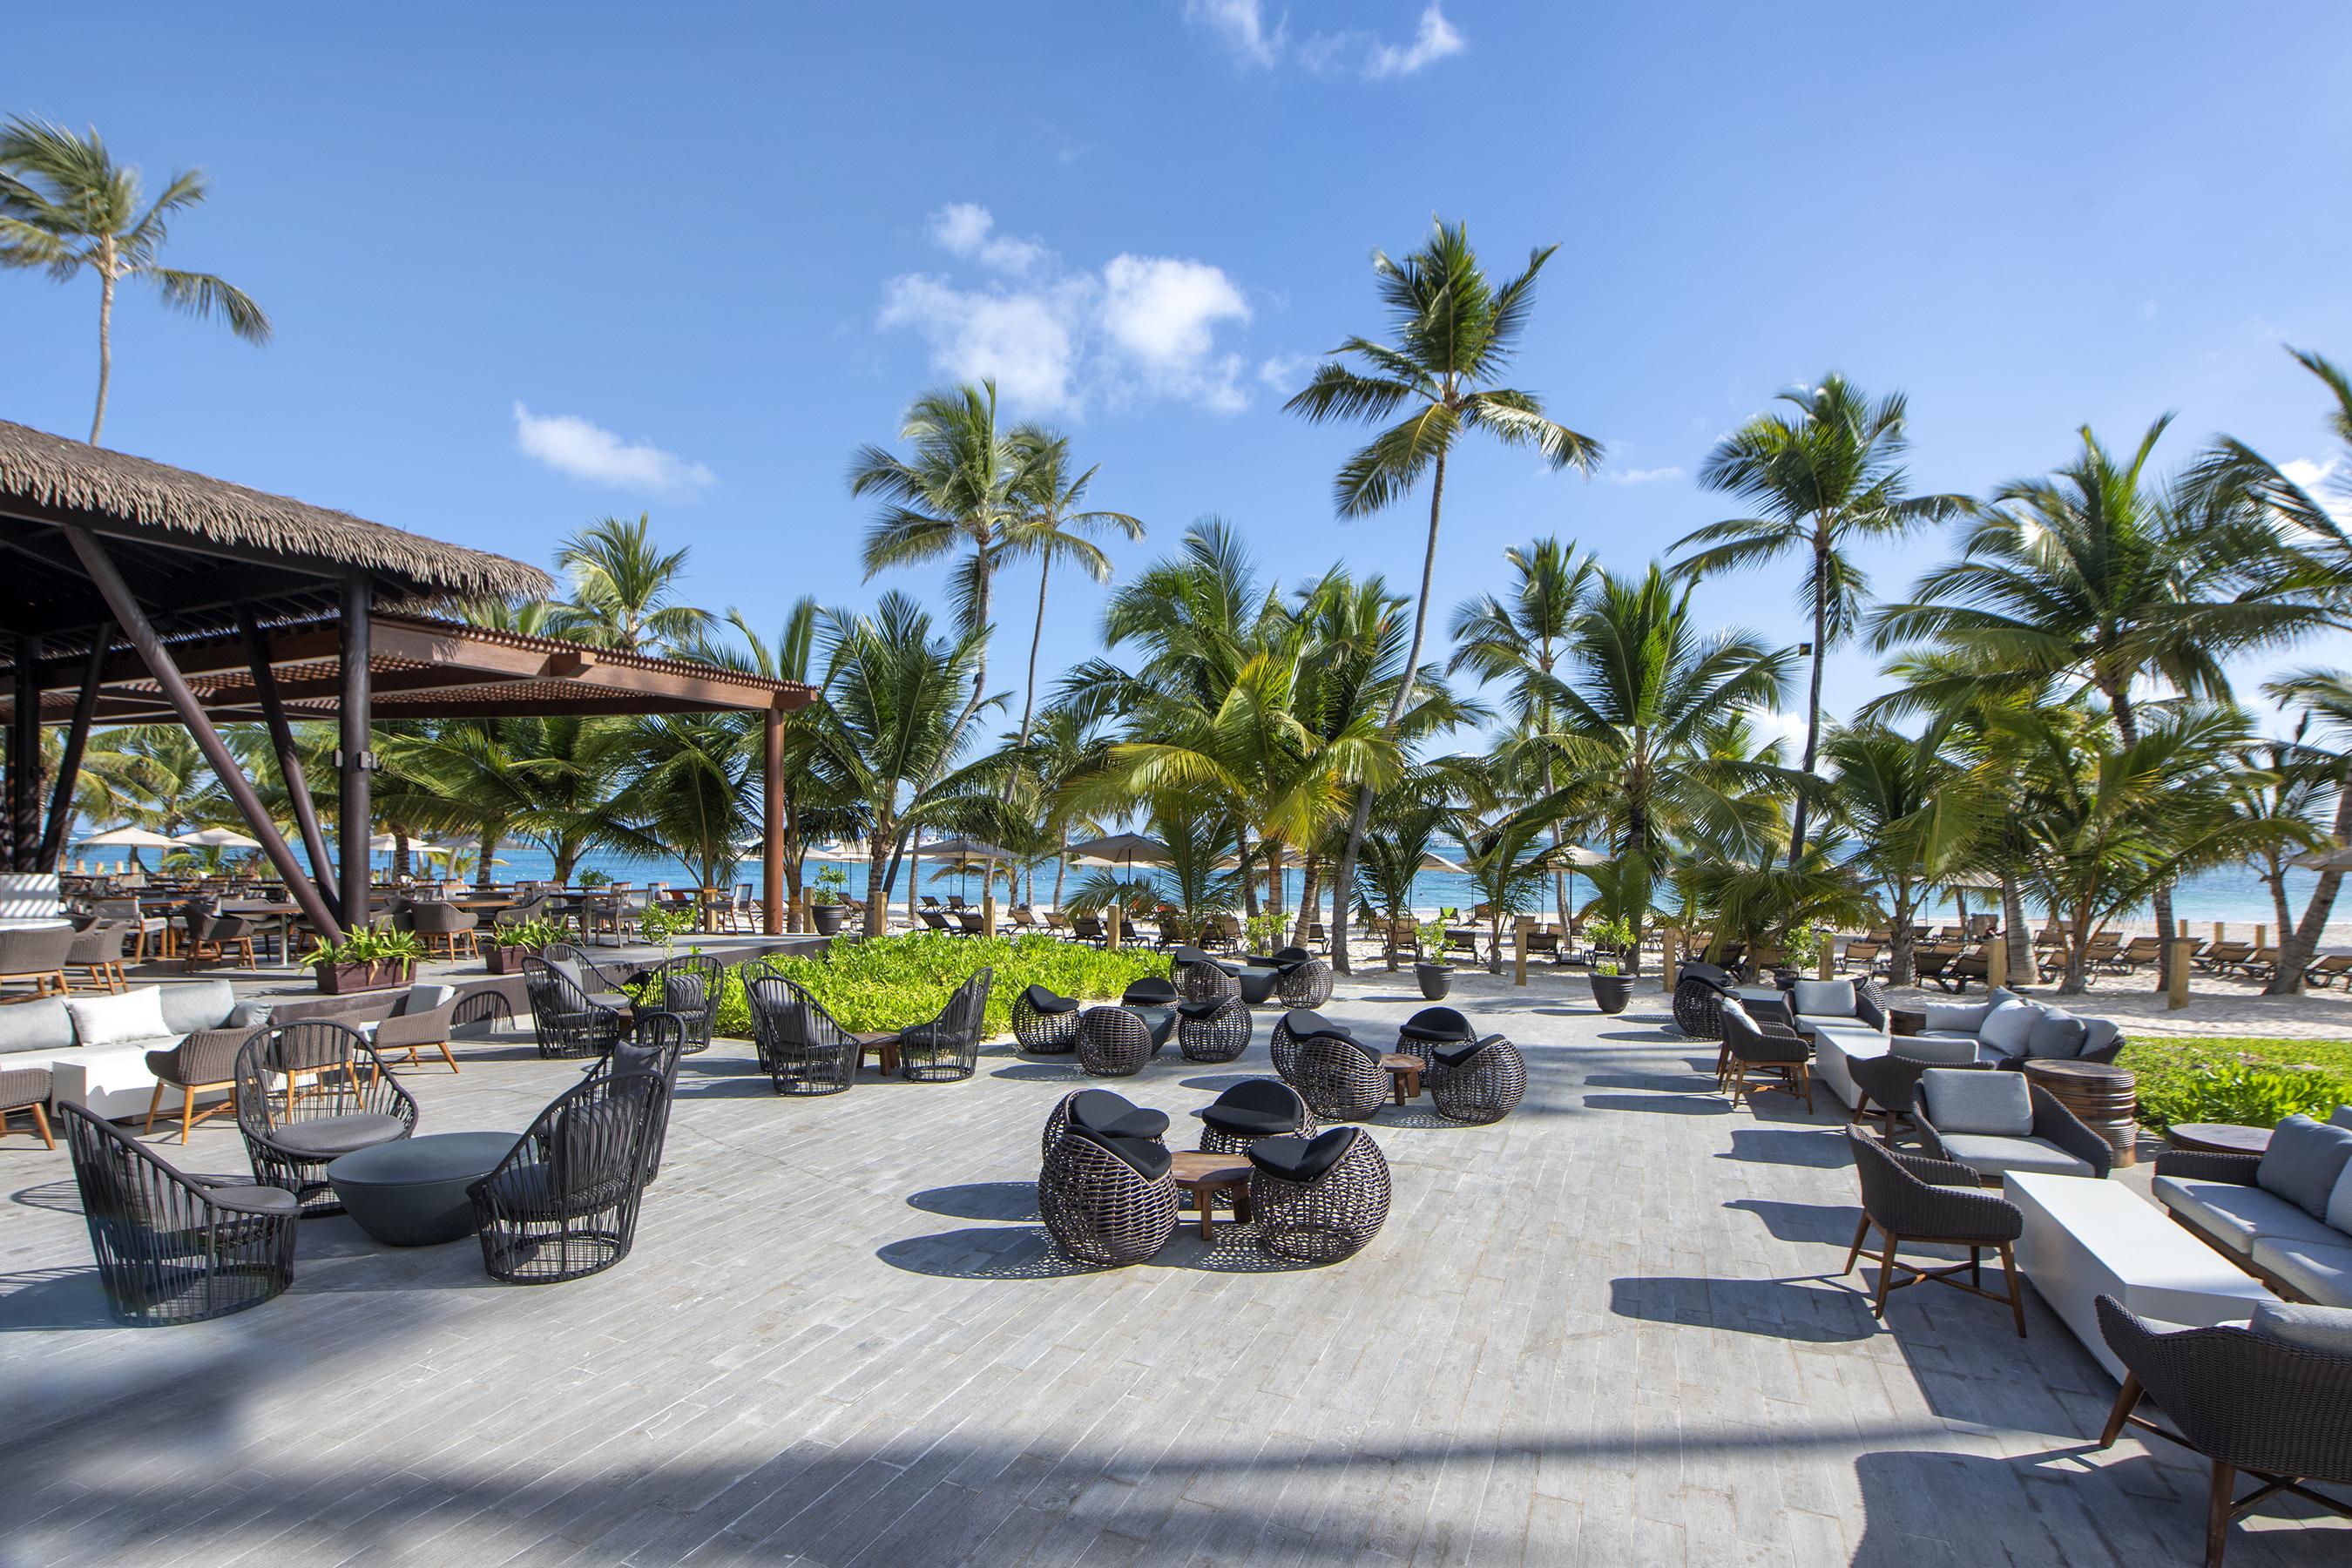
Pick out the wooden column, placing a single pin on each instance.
(353, 761)
(2175, 969)
(772, 824)
(1996, 964)
(141, 633)
(53, 838)
(1110, 924)
(1519, 954)
(1673, 940)
(24, 760)
(289, 761)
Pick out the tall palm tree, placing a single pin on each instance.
(624, 590)
(1826, 479)
(1919, 812)
(1052, 527)
(1455, 332)
(67, 207)
(966, 483)
(2315, 544)
(1516, 638)
(2324, 698)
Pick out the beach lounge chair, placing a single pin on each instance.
(1968, 966)
(2222, 956)
(2105, 952)
(1398, 936)
(1864, 955)
(2141, 949)
(2262, 964)
(1088, 928)
(2326, 971)
(1929, 962)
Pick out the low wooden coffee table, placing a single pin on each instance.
(2219, 1138)
(884, 1045)
(1404, 1070)
(1206, 1175)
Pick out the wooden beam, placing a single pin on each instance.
(141, 633)
(356, 760)
(53, 838)
(289, 761)
(25, 759)
(771, 826)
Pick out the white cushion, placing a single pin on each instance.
(2305, 1327)
(2010, 1026)
(1995, 1104)
(425, 995)
(135, 1014)
(1828, 998)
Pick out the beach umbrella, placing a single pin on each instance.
(1121, 850)
(130, 838)
(966, 850)
(216, 839)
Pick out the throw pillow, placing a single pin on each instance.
(2304, 1161)
(425, 995)
(2056, 1034)
(206, 1004)
(2339, 1202)
(2306, 1327)
(2008, 1027)
(1824, 998)
(38, 1026)
(1952, 1019)
(136, 1015)
(249, 1015)
(1992, 1104)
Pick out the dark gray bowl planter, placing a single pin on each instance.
(828, 918)
(1435, 980)
(1612, 991)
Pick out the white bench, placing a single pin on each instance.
(1836, 1045)
(2086, 1238)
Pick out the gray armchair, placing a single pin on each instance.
(204, 1062)
(1996, 1122)
(36, 954)
(1911, 1197)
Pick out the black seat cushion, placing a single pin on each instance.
(1245, 1122)
(1190, 955)
(324, 1137)
(630, 1056)
(1207, 1009)
(1304, 1021)
(1462, 1054)
(1145, 1158)
(1150, 992)
(1292, 957)
(1438, 1024)
(1370, 1050)
(1101, 1110)
(1302, 1158)
(1044, 1001)
(277, 1200)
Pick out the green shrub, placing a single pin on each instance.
(2256, 1082)
(892, 981)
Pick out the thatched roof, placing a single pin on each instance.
(58, 479)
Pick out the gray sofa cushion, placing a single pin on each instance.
(1948, 1019)
(2343, 1116)
(1823, 998)
(2009, 1025)
(2304, 1161)
(2098, 1034)
(204, 1006)
(2339, 1202)
(1995, 1104)
(42, 1026)
(2056, 1036)
(1817, 1021)
(1990, 1156)
(2312, 1268)
(2233, 1213)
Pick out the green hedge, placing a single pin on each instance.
(892, 981)
(2255, 1081)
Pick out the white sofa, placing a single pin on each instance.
(111, 1079)
(1954, 1036)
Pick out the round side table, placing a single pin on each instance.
(2102, 1097)
(412, 1191)
(2219, 1138)
(1904, 1021)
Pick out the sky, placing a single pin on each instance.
(532, 265)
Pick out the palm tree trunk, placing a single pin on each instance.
(2160, 900)
(1346, 874)
(489, 841)
(1061, 869)
(2296, 950)
(105, 336)
(1029, 703)
(2020, 940)
(1900, 959)
(1310, 894)
(877, 880)
(979, 666)
(1813, 691)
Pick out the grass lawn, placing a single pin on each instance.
(2167, 1067)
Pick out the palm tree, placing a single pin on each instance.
(1518, 638)
(2294, 784)
(1919, 811)
(965, 486)
(1825, 480)
(67, 206)
(1456, 332)
(624, 590)
(2314, 543)
(1507, 864)
(689, 790)
(1051, 527)
(2324, 697)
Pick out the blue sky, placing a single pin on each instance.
(530, 265)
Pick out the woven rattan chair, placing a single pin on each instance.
(1101, 1112)
(307, 1094)
(1764, 1059)
(563, 1203)
(1045, 1023)
(1150, 991)
(445, 929)
(1108, 1199)
(1113, 1042)
(36, 954)
(1294, 1026)
(801, 1046)
(1200, 978)
(1433, 1029)
(1699, 991)
(2244, 1400)
(201, 1062)
(1253, 1109)
(171, 1248)
(947, 1047)
(26, 1090)
(1479, 1082)
(1339, 1076)
(568, 1020)
(660, 1040)
(97, 951)
(1216, 1030)
(1909, 1197)
(691, 986)
(1321, 1199)
(1888, 1087)
(1305, 984)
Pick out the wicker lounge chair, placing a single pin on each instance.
(946, 1048)
(1216, 1030)
(690, 987)
(568, 1020)
(96, 950)
(1699, 990)
(563, 1203)
(1433, 1029)
(307, 1094)
(1478, 1082)
(25, 1091)
(171, 1248)
(1113, 1042)
(1294, 1026)
(1200, 978)
(1910, 1197)
(1045, 1023)
(661, 1040)
(1776, 1057)
(1318, 1200)
(1106, 1198)
(1305, 982)
(1339, 1076)
(1101, 1112)
(801, 1046)
(1251, 1110)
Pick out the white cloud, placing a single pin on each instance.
(571, 444)
(1284, 372)
(1362, 55)
(2325, 482)
(1640, 476)
(962, 228)
(1144, 327)
(1240, 25)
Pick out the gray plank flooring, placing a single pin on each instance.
(1608, 1330)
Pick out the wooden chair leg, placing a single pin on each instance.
(187, 1111)
(2220, 1503)
(1886, 1277)
(2126, 1402)
(449, 1056)
(1861, 1230)
(41, 1120)
(154, 1103)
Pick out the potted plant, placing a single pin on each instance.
(829, 905)
(1431, 970)
(372, 958)
(1610, 990)
(513, 943)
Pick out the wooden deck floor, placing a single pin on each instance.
(1600, 1332)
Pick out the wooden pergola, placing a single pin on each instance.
(131, 593)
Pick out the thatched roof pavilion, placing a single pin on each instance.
(132, 591)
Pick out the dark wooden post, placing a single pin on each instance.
(289, 761)
(356, 761)
(141, 633)
(53, 838)
(24, 761)
(772, 826)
